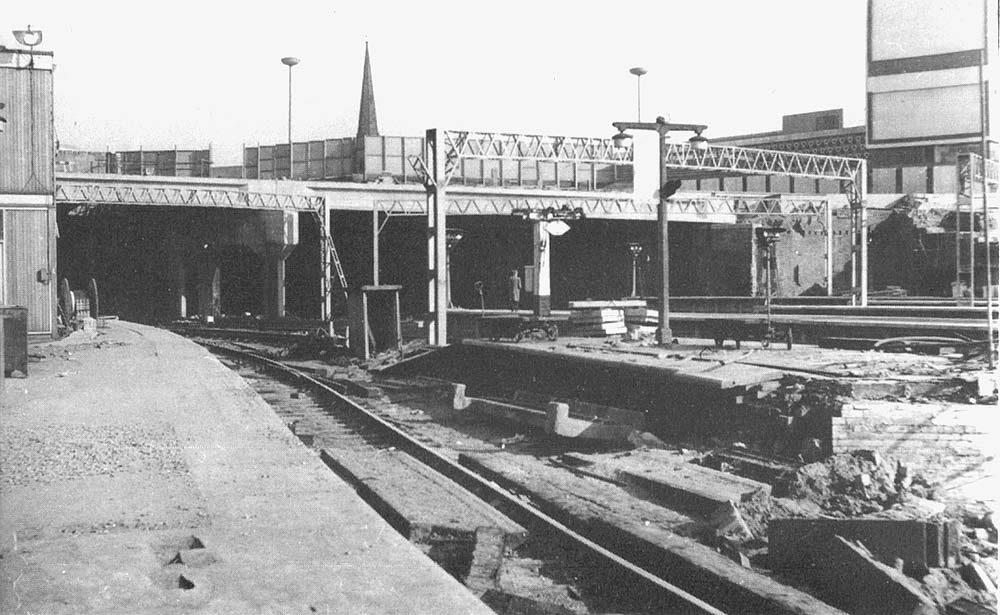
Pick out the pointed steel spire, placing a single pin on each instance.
(367, 120)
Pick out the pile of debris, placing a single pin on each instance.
(791, 417)
(856, 531)
(851, 484)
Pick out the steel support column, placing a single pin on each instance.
(828, 221)
(375, 234)
(543, 268)
(862, 187)
(326, 288)
(664, 335)
(274, 281)
(437, 242)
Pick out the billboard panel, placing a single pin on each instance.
(911, 28)
(931, 112)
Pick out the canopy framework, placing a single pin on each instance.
(851, 173)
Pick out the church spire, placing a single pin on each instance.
(367, 120)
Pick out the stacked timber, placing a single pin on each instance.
(598, 318)
(642, 319)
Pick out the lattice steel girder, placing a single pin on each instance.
(181, 196)
(726, 206)
(509, 146)
(975, 161)
(732, 159)
(505, 206)
(748, 206)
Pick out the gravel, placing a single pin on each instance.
(66, 452)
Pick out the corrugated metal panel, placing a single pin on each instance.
(27, 145)
(27, 252)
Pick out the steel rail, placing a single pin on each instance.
(491, 493)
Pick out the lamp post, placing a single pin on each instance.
(452, 237)
(290, 62)
(638, 71)
(662, 127)
(635, 249)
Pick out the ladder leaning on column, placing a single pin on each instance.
(330, 258)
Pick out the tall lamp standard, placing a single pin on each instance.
(290, 62)
(638, 71)
(662, 127)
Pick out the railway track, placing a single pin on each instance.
(443, 498)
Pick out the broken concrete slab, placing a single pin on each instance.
(920, 544)
(728, 376)
(674, 482)
(851, 579)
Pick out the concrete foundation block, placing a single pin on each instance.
(559, 422)
(458, 399)
(920, 544)
(851, 579)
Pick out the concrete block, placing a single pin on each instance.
(458, 399)
(556, 412)
(728, 521)
(986, 384)
(559, 422)
(689, 487)
(920, 544)
(850, 579)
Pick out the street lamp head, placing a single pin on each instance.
(698, 142)
(622, 139)
(29, 37)
(289, 61)
(638, 71)
(453, 236)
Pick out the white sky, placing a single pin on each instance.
(190, 73)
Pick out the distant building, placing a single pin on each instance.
(171, 162)
(816, 132)
(72, 160)
(931, 88)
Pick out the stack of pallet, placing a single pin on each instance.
(642, 319)
(597, 318)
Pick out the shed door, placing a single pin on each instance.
(27, 252)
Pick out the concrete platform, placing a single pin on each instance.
(139, 475)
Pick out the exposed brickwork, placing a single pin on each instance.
(946, 441)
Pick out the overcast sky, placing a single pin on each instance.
(190, 73)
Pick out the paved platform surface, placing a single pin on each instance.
(139, 475)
